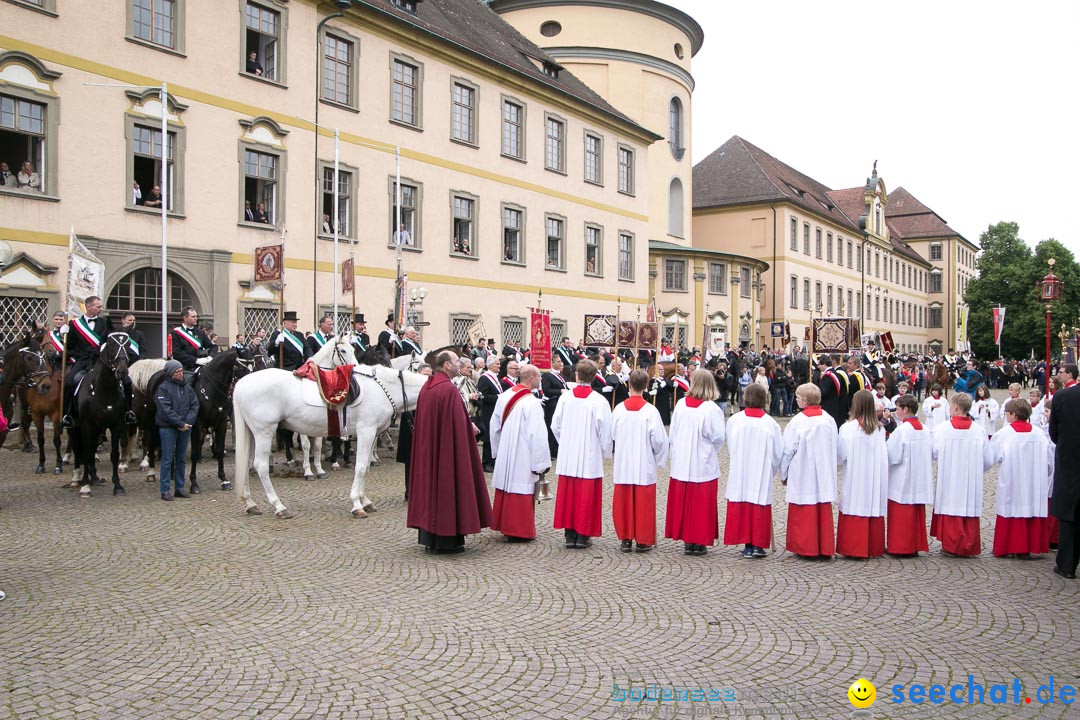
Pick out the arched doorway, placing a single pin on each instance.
(140, 293)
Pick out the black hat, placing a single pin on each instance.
(359, 318)
(290, 315)
(491, 340)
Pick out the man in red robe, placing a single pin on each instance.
(448, 496)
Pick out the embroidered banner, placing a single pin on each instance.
(999, 324)
(86, 275)
(348, 277)
(476, 331)
(268, 262)
(776, 329)
(887, 342)
(832, 335)
(627, 334)
(600, 330)
(854, 333)
(540, 338)
(648, 335)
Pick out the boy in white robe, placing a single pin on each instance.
(963, 454)
(985, 410)
(697, 434)
(1023, 484)
(911, 481)
(520, 445)
(755, 449)
(935, 408)
(641, 445)
(861, 452)
(808, 470)
(581, 424)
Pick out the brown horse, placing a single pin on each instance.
(941, 376)
(43, 400)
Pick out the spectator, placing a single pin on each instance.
(249, 214)
(177, 409)
(7, 179)
(260, 214)
(762, 379)
(136, 194)
(154, 199)
(403, 236)
(253, 65)
(28, 179)
(326, 227)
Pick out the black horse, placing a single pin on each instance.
(213, 386)
(15, 367)
(102, 404)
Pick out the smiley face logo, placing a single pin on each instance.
(862, 693)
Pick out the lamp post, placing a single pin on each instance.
(1051, 291)
(416, 305)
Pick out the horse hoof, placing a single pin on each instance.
(226, 485)
(119, 490)
(84, 491)
(40, 470)
(122, 467)
(309, 477)
(253, 510)
(28, 448)
(359, 514)
(58, 471)
(321, 476)
(284, 514)
(150, 477)
(370, 507)
(335, 466)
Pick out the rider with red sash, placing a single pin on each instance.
(85, 334)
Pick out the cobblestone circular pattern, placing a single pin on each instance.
(128, 607)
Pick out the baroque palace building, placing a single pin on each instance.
(883, 258)
(544, 148)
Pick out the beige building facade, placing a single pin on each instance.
(517, 178)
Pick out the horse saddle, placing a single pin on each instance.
(334, 388)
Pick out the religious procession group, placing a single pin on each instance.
(886, 484)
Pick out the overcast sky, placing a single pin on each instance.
(970, 106)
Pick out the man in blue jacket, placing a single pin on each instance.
(177, 410)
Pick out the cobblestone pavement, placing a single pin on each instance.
(128, 607)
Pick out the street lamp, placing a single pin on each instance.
(1051, 291)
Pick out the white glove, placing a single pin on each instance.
(64, 329)
(203, 361)
(652, 393)
(607, 389)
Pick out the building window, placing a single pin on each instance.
(513, 130)
(675, 128)
(593, 159)
(849, 249)
(817, 296)
(877, 264)
(859, 300)
(551, 28)
(407, 232)
(346, 201)
(718, 278)
(877, 308)
(594, 256)
(795, 234)
(408, 6)
(849, 301)
(463, 114)
(338, 78)
(744, 282)
(675, 208)
(626, 170)
(817, 243)
(554, 144)
(806, 293)
(935, 316)
(793, 289)
(155, 22)
(555, 249)
(935, 251)
(513, 223)
(464, 228)
(674, 275)
(261, 188)
(806, 238)
(405, 105)
(828, 247)
(264, 41)
(146, 168)
(859, 259)
(935, 282)
(46, 6)
(828, 299)
(839, 300)
(14, 310)
(626, 256)
(140, 292)
(23, 126)
(459, 328)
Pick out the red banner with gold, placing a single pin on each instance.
(348, 276)
(540, 338)
(268, 262)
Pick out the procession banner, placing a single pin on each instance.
(854, 332)
(540, 338)
(401, 300)
(716, 342)
(963, 328)
(86, 275)
(476, 331)
(599, 330)
(648, 335)
(887, 342)
(776, 329)
(832, 335)
(628, 334)
(348, 277)
(268, 263)
(999, 323)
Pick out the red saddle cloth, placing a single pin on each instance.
(333, 383)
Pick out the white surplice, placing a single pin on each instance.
(519, 444)
(697, 434)
(641, 444)
(809, 462)
(935, 416)
(864, 487)
(985, 413)
(962, 456)
(1027, 464)
(582, 427)
(755, 448)
(911, 472)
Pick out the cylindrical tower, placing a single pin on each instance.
(636, 55)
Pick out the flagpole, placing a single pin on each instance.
(618, 326)
(164, 216)
(337, 223)
(281, 301)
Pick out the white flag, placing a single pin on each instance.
(86, 275)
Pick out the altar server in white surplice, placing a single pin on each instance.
(985, 410)
(911, 481)
(935, 409)
(641, 446)
(519, 441)
(1026, 466)
(860, 450)
(755, 448)
(963, 454)
(808, 469)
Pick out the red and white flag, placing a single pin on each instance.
(999, 323)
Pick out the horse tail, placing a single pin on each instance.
(245, 441)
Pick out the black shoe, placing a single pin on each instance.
(13, 425)
(627, 545)
(489, 468)
(179, 492)
(67, 423)
(759, 552)
(688, 549)
(129, 418)
(583, 542)
(1062, 573)
(168, 497)
(747, 553)
(644, 548)
(516, 539)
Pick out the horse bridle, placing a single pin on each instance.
(123, 340)
(33, 377)
(401, 379)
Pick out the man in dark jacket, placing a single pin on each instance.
(552, 385)
(726, 384)
(190, 344)
(1065, 497)
(177, 410)
(85, 334)
(490, 387)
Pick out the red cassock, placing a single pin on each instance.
(578, 503)
(1019, 535)
(906, 529)
(859, 536)
(447, 488)
(691, 512)
(810, 530)
(748, 523)
(514, 515)
(958, 535)
(633, 508)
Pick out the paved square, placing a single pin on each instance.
(129, 607)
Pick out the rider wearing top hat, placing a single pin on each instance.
(388, 339)
(288, 343)
(361, 342)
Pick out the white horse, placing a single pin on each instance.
(263, 400)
